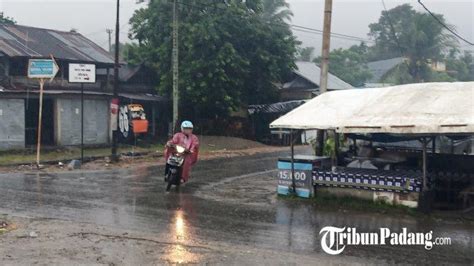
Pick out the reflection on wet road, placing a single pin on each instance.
(135, 199)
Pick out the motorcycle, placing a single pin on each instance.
(175, 163)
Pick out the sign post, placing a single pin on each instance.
(82, 73)
(40, 120)
(41, 69)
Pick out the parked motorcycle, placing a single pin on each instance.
(174, 164)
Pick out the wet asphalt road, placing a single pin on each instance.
(135, 200)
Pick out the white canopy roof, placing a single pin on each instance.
(423, 108)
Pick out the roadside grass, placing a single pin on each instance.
(28, 156)
(65, 154)
(352, 203)
(326, 200)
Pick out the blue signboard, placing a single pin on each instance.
(42, 68)
(303, 182)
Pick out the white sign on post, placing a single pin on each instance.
(82, 73)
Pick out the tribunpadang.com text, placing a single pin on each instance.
(335, 239)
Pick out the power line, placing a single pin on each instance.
(333, 34)
(102, 30)
(103, 43)
(93, 33)
(444, 25)
(339, 37)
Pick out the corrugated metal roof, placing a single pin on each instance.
(24, 41)
(312, 72)
(381, 67)
(125, 72)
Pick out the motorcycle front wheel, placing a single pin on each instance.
(172, 180)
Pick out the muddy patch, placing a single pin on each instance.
(60, 242)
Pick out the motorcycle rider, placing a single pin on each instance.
(190, 142)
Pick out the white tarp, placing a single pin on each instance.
(423, 108)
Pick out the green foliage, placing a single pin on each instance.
(128, 52)
(440, 77)
(231, 53)
(404, 32)
(329, 147)
(6, 20)
(305, 54)
(460, 67)
(275, 11)
(349, 64)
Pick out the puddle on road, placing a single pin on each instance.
(296, 225)
(243, 210)
(180, 232)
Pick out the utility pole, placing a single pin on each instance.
(175, 60)
(116, 80)
(109, 32)
(323, 86)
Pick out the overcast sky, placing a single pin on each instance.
(351, 17)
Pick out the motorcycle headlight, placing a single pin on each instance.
(180, 149)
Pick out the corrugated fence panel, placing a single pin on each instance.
(12, 123)
(102, 115)
(69, 121)
(95, 121)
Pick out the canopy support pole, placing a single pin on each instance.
(425, 181)
(320, 142)
(293, 183)
(355, 147)
(336, 148)
(426, 195)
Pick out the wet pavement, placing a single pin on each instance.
(228, 201)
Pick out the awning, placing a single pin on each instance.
(132, 96)
(424, 108)
(143, 97)
(280, 107)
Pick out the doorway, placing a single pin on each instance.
(31, 122)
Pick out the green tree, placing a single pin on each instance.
(404, 32)
(468, 59)
(127, 52)
(460, 67)
(229, 53)
(349, 64)
(6, 20)
(305, 54)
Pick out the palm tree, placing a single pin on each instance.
(276, 11)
